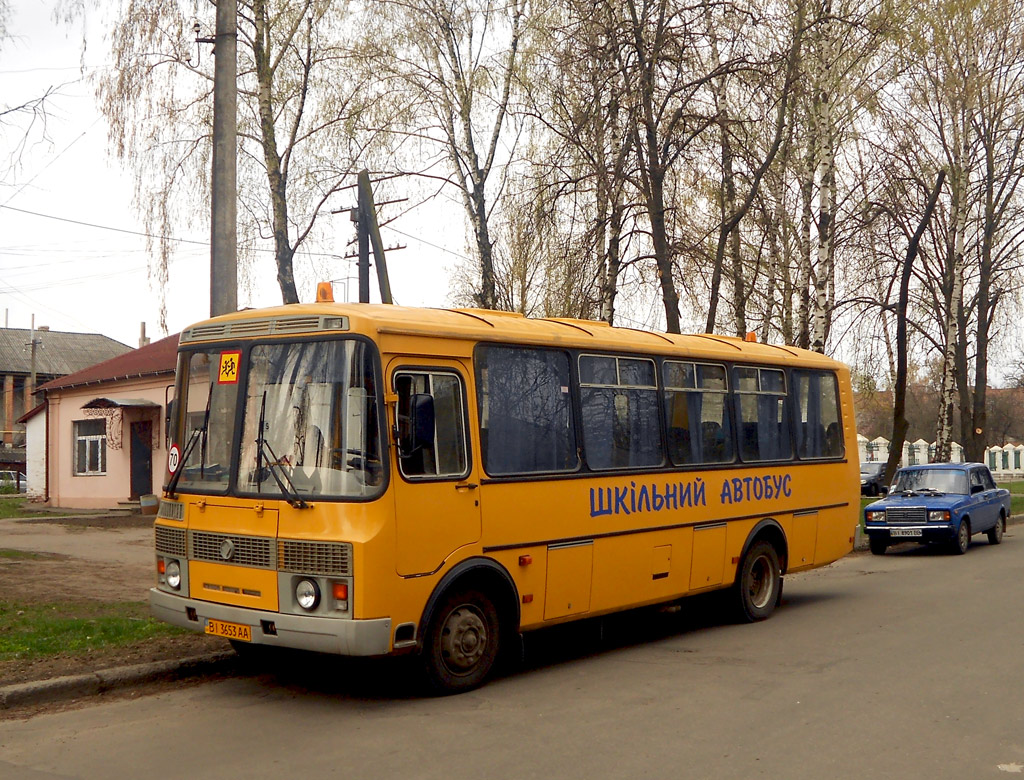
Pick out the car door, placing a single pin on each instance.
(992, 497)
(981, 502)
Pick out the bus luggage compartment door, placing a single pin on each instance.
(570, 571)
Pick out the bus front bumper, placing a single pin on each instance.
(320, 634)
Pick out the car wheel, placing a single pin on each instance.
(963, 538)
(758, 582)
(877, 545)
(995, 534)
(462, 642)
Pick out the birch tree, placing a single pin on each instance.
(458, 63)
(300, 102)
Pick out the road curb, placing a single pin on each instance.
(78, 686)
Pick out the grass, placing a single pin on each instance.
(39, 630)
(1016, 504)
(22, 555)
(13, 507)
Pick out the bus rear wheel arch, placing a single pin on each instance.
(758, 582)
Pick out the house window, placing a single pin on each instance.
(90, 447)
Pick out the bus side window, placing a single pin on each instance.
(524, 403)
(445, 455)
(762, 412)
(819, 434)
(697, 413)
(619, 410)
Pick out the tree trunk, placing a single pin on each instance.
(899, 412)
(283, 251)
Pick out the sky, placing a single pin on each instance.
(72, 253)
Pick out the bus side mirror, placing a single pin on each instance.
(170, 417)
(421, 410)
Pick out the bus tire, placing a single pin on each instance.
(758, 582)
(461, 644)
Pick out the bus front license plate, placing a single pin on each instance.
(229, 630)
(911, 532)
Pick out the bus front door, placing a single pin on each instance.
(437, 500)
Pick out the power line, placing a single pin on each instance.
(105, 227)
(424, 241)
(151, 235)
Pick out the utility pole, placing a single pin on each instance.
(223, 196)
(368, 231)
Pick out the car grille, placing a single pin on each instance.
(326, 558)
(254, 551)
(906, 514)
(170, 541)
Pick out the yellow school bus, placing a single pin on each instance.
(371, 479)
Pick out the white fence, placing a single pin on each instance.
(1006, 462)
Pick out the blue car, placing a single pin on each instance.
(938, 502)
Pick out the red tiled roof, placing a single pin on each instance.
(160, 357)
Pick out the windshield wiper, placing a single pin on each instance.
(291, 495)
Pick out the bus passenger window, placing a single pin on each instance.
(818, 432)
(619, 407)
(697, 413)
(762, 412)
(525, 413)
(445, 454)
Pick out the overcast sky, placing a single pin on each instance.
(69, 249)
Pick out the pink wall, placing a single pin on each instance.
(66, 489)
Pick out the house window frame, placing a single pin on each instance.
(100, 440)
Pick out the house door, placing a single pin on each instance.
(142, 458)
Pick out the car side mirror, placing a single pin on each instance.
(421, 423)
(977, 489)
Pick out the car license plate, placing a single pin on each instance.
(905, 532)
(229, 630)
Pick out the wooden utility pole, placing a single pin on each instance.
(368, 233)
(223, 196)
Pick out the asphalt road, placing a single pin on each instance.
(903, 666)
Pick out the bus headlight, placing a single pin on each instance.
(307, 594)
(172, 575)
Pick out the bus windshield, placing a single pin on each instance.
(310, 423)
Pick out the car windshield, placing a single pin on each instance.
(870, 469)
(309, 420)
(931, 480)
(310, 424)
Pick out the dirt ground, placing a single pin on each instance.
(91, 558)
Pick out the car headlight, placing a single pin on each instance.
(938, 516)
(307, 594)
(172, 575)
(876, 516)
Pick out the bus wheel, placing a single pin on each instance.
(758, 582)
(462, 642)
